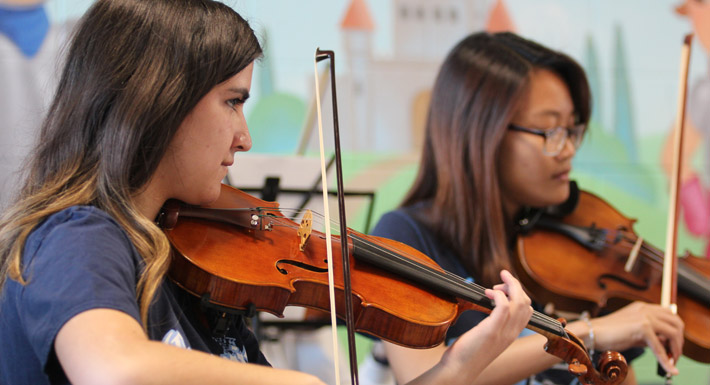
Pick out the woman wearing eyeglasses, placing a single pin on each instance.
(505, 120)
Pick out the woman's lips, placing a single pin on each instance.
(564, 175)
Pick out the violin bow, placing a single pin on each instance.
(347, 287)
(669, 287)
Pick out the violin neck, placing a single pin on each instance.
(441, 282)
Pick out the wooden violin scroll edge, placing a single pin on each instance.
(611, 369)
(613, 366)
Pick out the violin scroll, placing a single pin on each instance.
(611, 366)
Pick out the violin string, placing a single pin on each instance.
(453, 279)
(653, 251)
(317, 217)
(447, 277)
(632, 238)
(290, 224)
(656, 257)
(683, 272)
(653, 257)
(408, 259)
(650, 254)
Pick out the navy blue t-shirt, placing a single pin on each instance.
(402, 225)
(81, 259)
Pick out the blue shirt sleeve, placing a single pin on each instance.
(400, 227)
(78, 260)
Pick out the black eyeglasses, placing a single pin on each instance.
(555, 138)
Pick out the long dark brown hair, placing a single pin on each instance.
(134, 70)
(476, 94)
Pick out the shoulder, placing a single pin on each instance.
(77, 213)
(77, 224)
(401, 225)
(406, 225)
(79, 235)
(78, 259)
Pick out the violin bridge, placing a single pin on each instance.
(305, 228)
(633, 255)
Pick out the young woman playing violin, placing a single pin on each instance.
(505, 120)
(149, 108)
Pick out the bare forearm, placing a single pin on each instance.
(462, 362)
(450, 369)
(523, 358)
(109, 347)
(630, 377)
(526, 357)
(157, 363)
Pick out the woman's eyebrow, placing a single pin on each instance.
(241, 91)
(553, 113)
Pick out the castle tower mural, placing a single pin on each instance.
(383, 101)
(499, 19)
(357, 27)
(428, 29)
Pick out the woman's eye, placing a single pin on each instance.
(235, 102)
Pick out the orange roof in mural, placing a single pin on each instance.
(358, 17)
(499, 19)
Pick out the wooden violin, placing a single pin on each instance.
(591, 259)
(242, 253)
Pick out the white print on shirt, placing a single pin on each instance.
(173, 337)
(231, 350)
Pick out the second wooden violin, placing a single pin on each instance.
(241, 252)
(606, 266)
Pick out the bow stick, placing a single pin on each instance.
(669, 287)
(347, 288)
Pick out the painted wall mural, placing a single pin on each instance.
(387, 55)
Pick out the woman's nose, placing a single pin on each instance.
(569, 149)
(242, 140)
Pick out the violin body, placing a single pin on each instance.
(242, 266)
(242, 253)
(589, 274)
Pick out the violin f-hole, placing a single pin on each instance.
(298, 264)
(636, 286)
